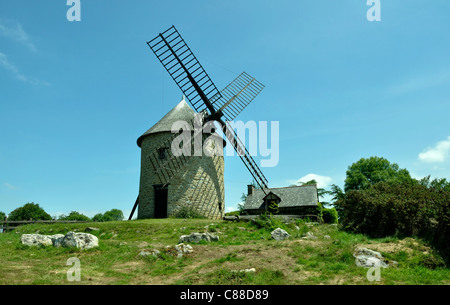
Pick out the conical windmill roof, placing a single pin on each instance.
(181, 112)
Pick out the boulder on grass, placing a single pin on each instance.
(80, 240)
(35, 240)
(279, 234)
(368, 258)
(197, 237)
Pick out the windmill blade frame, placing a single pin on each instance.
(184, 68)
(237, 95)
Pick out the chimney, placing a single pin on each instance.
(249, 189)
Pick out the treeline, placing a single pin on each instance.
(33, 211)
(380, 199)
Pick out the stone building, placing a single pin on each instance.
(292, 200)
(199, 184)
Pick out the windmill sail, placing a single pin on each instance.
(187, 72)
(246, 158)
(200, 91)
(237, 95)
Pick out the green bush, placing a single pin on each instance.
(187, 212)
(75, 216)
(329, 215)
(112, 215)
(386, 209)
(267, 221)
(29, 211)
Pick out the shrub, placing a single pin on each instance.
(187, 212)
(267, 221)
(112, 215)
(329, 215)
(386, 209)
(29, 211)
(75, 216)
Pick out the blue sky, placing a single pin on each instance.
(75, 96)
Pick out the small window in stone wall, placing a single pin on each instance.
(162, 152)
(220, 206)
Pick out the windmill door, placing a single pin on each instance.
(161, 194)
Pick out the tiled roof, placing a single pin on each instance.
(292, 196)
(181, 112)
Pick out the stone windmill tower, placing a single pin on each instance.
(196, 182)
(169, 181)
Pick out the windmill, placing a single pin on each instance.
(204, 97)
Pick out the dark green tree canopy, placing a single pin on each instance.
(366, 172)
(29, 211)
(112, 215)
(75, 216)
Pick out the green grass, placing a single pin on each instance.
(241, 246)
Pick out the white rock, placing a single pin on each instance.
(71, 239)
(57, 239)
(279, 234)
(36, 240)
(309, 235)
(197, 237)
(183, 249)
(250, 270)
(80, 240)
(152, 252)
(368, 258)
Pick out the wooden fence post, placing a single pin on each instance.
(5, 224)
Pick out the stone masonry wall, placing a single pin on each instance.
(199, 184)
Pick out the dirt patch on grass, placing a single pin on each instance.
(208, 259)
(408, 245)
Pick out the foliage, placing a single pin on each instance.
(398, 209)
(75, 216)
(366, 172)
(187, 212)
(29, 211)
(437, 183)
(273, 207)
(112, 215)
(267, 221)
(2, 216)
(321, 192)
(98, 217)
(329, 215)
(117, 261)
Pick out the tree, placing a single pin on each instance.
(321, 192)
(75, 216)
(98, 217)
(29, 211)
(113, 215)
(366, 172)
(439, 184)
(2, 216)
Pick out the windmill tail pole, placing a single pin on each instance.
(134, 208)
(246, 158)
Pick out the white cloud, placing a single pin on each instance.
(322, 181)
(437, 154)
(230, 209)
(10, 186)
(13, 30)
(422, 82)
(5, 63)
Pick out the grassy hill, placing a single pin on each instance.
(241, 246)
